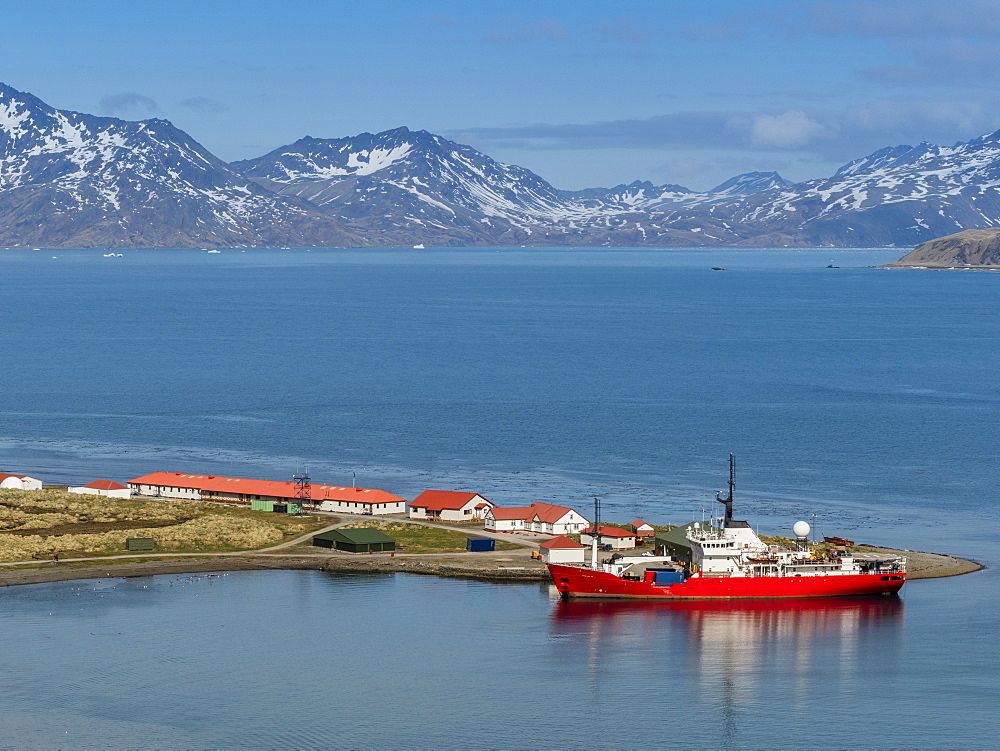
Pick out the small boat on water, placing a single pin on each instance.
(727, 560)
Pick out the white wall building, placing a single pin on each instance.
(241, 491)
(20, 482)
(505, 519)
(107, 488)
(545, 518)
(449, 505)
(616, 537)
(562, 550)
(643, 529)
(554, 520)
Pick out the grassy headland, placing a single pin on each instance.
(417, 538)
(37, 524)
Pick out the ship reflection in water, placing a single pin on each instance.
(735, 656)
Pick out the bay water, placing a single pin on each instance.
(863, 401)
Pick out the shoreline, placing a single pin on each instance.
(511, 566)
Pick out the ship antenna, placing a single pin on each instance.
(728, 501)
(597, 534)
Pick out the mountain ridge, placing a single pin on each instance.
(71, 179)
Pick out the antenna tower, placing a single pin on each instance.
(728, 501)
(303, 490)
(595, 538)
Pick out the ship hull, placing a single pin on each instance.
(581, 582)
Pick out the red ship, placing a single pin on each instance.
(727, 560)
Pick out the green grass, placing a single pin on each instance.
(416, 538)
(37, 524)
(788, 542)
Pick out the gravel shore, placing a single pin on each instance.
(507, 566)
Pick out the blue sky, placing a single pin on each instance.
(582, 93)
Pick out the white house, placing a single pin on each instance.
(642, 529)
(554, 520)
(538, 517)
(562, 550)
(20, 482)
(505, 519)
(108, 488)
(616, 537)
(449, 505)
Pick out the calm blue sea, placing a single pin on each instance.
(864, 401)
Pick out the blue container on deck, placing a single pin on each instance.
(663, 576)
(481, 544)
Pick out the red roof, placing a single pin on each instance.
(510, 513)
(19, 477)
(609, 532)
(560, 543)
(639, 523)
(105, 485)
(440, 500)
(548, 513)
(213, 484)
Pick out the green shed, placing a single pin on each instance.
(674, 542)
(355, 540)
(262, 505)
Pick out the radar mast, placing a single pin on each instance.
(728, 500)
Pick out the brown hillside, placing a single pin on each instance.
(973, 248)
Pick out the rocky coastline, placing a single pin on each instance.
(513, 567)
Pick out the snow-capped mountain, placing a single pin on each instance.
(637, 193)
(901, 195)
(416, 186)
(73, 180)
(413, 185)
(751, 182)
(70, 179)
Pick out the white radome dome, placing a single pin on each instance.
(801, 529)
(12, 483)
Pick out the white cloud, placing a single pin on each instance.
(824, 134)
(787, 130)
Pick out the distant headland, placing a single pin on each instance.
(971, 249)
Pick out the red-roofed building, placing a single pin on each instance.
(562, 550)
(616, 537)
(20, 482)
(554, 520)
(642, 529)
(108, 488)
(538, 517)
(506, 519)
(241, 491)
(449, 505)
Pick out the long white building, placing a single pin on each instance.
(241, 491)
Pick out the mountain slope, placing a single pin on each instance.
(73, 180)
(70, 179)
(412, 185)
(973, 248)
(416, 186)
(900, 195)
